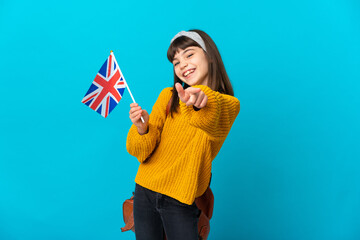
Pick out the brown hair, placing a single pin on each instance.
(218, 78)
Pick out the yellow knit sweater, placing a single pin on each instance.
(176, 154)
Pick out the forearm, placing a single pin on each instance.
(142, 145)
(217, 116)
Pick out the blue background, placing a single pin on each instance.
(289, 168)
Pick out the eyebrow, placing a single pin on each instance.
(188, 49)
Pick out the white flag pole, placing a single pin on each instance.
(127, 86)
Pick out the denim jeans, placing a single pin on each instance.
(155, 213)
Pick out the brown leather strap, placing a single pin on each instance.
(168, 106)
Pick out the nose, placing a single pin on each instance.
(183, 64)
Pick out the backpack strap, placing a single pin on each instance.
(168, 106)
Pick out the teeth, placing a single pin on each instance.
(188, 72)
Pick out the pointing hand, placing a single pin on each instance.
(191, 96)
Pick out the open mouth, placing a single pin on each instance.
(188, 72)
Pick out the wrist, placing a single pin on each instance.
(143, 131)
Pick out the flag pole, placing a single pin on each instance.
(127, 86)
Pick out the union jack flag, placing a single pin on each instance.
(107, 88)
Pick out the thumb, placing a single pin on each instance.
(145, 114)
(193, 90)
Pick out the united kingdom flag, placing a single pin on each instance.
(107, 88)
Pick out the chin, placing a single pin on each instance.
(192, 83)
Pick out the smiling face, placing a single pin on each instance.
(191, 66)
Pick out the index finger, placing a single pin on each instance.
(134, 105)
(180, 89)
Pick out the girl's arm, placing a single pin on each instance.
(218, 115)
(141, 146)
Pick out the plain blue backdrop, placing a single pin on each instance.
(289, 169)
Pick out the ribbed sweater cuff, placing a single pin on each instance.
(141, 146)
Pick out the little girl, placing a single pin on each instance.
(177, 143)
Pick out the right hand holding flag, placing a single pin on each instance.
(136, 112)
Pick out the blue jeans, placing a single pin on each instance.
(155, 213)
